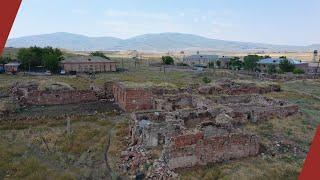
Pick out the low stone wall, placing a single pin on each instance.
(195, 149)
(58, 97)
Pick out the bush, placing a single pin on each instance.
(298, 71)
(250, 62)
(206, 80)
(272, 69)
(182, 64)
(168, 60)
(211, 65)
(218, 64)
(286, 66)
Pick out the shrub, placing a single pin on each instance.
(271, 69)
(206, 80)
(298, 71)
(286, 66)
(182, 64)
(168, 60)
(218, 64)
(211, 65)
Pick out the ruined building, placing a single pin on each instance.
(193, 129)
(132, 96)
(35, 93)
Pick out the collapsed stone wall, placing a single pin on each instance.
(153, 128)
(193, 130)
(230, 87)
(30, 93)
(255, 108)
(58, 97)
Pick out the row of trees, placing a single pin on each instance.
(250, 63)
(5, 60)
(47, 57)
(99, 54)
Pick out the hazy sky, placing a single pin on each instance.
(295, 22)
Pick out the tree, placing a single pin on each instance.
(24, 55)
(99, 54)
(211, 65)
(218, 63)
(5, 60)
(51, 62)
(235, 63)
(36, 56)
(271, 69)
(286, 66)
(298, 71)
(167, 60)
(250, 62)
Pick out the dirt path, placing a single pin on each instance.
(109, 170)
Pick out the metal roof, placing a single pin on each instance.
(12, 64)
(86, 59)
(199, 56)
(278, 60)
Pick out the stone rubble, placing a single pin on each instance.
(189, 129)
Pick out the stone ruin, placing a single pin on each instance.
(190, 129)
(50, 93)
(230, 87)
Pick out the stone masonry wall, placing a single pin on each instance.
(194, 149)
(58, 97)
(132, 99)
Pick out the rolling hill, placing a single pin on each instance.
(148, 42)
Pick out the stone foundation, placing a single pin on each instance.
(58, 97)
(190, 150)
(30, 93)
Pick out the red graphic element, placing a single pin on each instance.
(8, 12)
(311, 168)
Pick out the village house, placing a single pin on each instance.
(204, 60)
(12, 67)
(313, 68)
(264, 63)
(86, 64)
(224, 62)
(200, 59)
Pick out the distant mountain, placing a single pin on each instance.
(147, 42)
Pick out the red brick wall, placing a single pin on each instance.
(59, 97)
(194, 150)
(132, 99)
